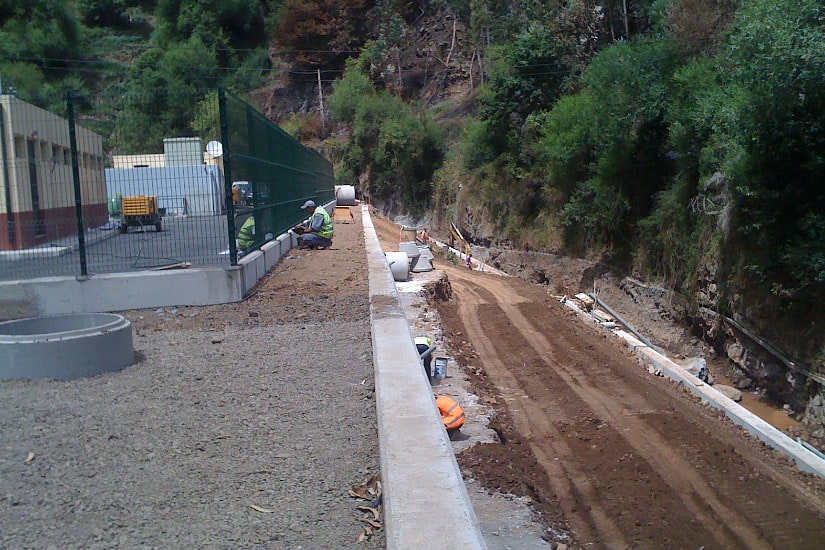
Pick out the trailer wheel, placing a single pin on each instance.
(158, 226)
(124, 228)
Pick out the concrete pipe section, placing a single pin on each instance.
(399, 264)
(65, 347)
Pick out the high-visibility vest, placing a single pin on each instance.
(451, 412)
(246, 236)
(326, 230)
(424, 341)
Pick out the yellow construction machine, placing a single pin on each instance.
(140, 211)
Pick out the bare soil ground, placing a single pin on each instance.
(612, 456)
(270, 402)
(239, 426)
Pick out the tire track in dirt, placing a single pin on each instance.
(755, 523)
(572, 485)
(611, 535)
(733, 524)
(549, 369)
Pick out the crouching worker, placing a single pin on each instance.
(426, 347)
(246, 236)
(452, 414)
(316, 231)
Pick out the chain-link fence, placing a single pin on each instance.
(90, 191)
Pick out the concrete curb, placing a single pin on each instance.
(806, 460)
(425, 499)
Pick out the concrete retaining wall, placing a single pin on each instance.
(425, 501)
(119, 291)
(143, 289)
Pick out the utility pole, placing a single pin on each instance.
(321, 96)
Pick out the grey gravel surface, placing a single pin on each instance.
(268, 403)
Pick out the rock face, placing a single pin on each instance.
(814, 418)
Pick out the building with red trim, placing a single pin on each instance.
(37, 193)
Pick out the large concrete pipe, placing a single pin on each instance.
(65, 347)
(413, 253)
(399, 265)
(345, 195)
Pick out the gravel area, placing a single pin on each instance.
(239, 426)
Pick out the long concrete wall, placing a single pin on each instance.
(426, 504)
(119, 291)
(142, 289)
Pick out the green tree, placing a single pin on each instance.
(525, 76)
(40, 50)
(395, 147)
(775, 59)
(163, 88)
(605, 149)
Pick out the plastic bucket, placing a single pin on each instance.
(440, 368)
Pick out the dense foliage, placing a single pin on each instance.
(140, 66)
(676, 138)
(397, 147)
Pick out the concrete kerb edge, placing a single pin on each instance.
(420, 476)
(481, 266)
(120, 291)
(806, 460)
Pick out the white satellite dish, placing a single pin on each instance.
(214, 148)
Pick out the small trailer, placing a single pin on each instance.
(140, 211)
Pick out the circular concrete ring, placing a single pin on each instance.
(65, 347)
(399, 264)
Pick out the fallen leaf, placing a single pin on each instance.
(374, 523)
(30, 457)
(362, 537)
(375, 513)
(263, 510)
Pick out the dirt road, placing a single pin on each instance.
(613, 456)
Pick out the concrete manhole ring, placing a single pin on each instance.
(65, 347)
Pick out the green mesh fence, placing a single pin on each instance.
(69, 181)
(275, 174)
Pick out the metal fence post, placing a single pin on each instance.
(78, 200)
(227, 178)
(6, 180)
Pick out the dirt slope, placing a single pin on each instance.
(613, 456)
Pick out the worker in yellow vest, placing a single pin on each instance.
(426, 347)
(452, 414)
(316, 231)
